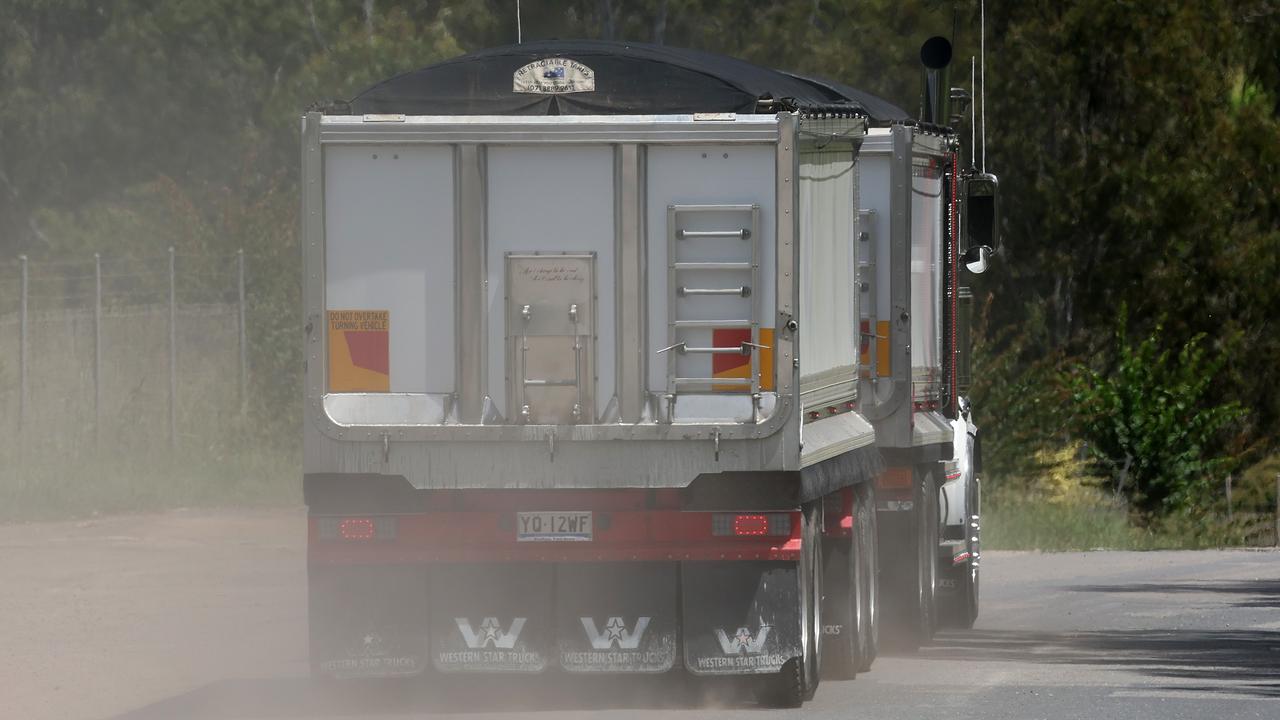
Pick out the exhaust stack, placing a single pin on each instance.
(935, 98)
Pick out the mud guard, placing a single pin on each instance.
(617, 617)
(740, 617)
(491, 618)
(367, 621)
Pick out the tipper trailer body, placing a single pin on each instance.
(587, 369)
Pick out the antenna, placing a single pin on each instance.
(983, 43)
(519, 29)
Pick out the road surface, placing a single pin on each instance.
(203, 615)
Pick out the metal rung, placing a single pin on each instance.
(712, 381)
(740, 350)
(744, 291)
(550, 383)
(712, 323)
(712, 266)
(741, 233)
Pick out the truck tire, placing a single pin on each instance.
(911, 565)
(927, 519)
(864, 527)
(959, 608)
(842, 607)
(798, 679)
(967, 585)
(848, 594)
(785, 689)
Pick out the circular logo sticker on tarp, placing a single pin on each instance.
(553, 76)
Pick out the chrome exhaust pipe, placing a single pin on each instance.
(935, 98)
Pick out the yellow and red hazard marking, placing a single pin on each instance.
(884, 359)
(359, 351)
(739, 366)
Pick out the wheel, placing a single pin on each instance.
(973, 540)
(960, 609)
(784, 690)
(811, 582)
(927, 520)
(798, 679)
(864, 527)
(843, 606)
(911, 565)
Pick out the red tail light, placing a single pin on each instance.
(751, 524)
(357, 529)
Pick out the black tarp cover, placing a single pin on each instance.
(630, 79)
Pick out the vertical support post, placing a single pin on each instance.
(1277, 543)
(1230, 509)
(23, 339)
(173, 354)
(244, 343)
(470, 242)
(629, 204)
(97, 352)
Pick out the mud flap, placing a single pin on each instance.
(740, 617)
(367, 621)
(617, 618)
(491, 618)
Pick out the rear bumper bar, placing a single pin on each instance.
(490, 536)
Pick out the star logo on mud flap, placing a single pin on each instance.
(615, 628)
(372, 645)
(743, 641)
(490, 630)
(615, 633)
(490, 633)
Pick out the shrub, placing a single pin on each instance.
(1152, 425)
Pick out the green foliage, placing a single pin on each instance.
(1153, 424)
(1012, 521)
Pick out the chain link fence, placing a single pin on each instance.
(121, 355)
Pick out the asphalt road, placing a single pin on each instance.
(202, 615)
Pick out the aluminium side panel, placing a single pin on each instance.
(927, 206)
(885, 189)
(828, 278)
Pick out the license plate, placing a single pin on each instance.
(553, 526)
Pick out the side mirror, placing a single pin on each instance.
(976, 259)
(981, 213)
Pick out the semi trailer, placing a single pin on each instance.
(629, 359)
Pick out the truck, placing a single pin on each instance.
(629, 359)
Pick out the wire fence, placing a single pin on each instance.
(123, 354)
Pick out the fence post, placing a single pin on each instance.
(1230, 514)
(173, 355)
(1277, 543)
(97, 352)
(244, 345)
(22, 348)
